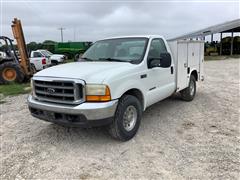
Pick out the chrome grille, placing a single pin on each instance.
(67, 92)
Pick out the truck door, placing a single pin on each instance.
(182, 65)
(36, 59)
(160, 82)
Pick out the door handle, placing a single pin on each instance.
(171, 69)
(185, 65)
(143, 76)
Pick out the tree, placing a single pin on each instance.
(32, 46)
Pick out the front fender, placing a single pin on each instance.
(118, 88)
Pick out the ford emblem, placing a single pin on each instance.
(50, 90)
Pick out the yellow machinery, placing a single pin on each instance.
(14, 67)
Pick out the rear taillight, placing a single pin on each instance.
(44, 61)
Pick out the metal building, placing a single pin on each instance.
(227, 27)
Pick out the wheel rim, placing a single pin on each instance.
(129, 118)
(9, 74)
(192, 89)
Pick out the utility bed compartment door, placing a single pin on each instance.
(188, 56)
(193, 54)
(182, 65)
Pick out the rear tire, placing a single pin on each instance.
(11, 72)
(188, 94)
(127, 118)
(67, 56)
(76, 57)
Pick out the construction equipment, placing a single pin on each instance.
(71, 49)
(211, 49)
(14, 68)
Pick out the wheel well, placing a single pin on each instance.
(195, 74)
(138, 94)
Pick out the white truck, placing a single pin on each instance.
(114, 82)
(39, 60)
(42, 59)
(54, 58)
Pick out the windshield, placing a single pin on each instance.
(46, 53)
(121, 49)
(49, 53)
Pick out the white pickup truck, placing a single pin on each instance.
(54, 58)
(39, 60)
(42, 59)
(114, 82)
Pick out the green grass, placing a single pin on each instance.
(2, 102)
(14, 89)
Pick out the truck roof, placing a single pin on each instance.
(134, 36)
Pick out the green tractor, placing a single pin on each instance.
(72, 49)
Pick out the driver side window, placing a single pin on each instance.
(156, 48)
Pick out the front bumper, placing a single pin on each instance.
(85, 114)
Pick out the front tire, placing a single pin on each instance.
(11, 72)
(127, 118)
(188, 94)
(54, 63)
(33, 69)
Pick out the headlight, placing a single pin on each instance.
(31, 83)
(32, 87)
(97, 93)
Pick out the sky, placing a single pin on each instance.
(93, 20)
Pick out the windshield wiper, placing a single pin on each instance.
(112, 59)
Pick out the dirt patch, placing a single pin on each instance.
(176, 140)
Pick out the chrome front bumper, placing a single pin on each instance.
(87, 111)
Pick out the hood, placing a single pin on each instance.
(57, 55)
(91, 72)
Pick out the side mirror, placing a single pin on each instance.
(154, 62)
(166, 60)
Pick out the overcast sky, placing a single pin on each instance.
(92, 20)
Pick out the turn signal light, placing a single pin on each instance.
(100, 98)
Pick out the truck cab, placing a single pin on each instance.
(39, 60)
(114, 82)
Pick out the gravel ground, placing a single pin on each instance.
(176, 140)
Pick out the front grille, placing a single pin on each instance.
(67, 92)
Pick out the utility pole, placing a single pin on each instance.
(61, 29)
(74, 34)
